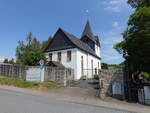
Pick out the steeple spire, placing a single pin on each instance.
(87, 30)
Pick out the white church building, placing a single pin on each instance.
(80, 54)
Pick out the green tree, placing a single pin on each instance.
(135, 46)
(31, 52)
(11, 61)
(104, 66)
(139, 3)
(5, 61)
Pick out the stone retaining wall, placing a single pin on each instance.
(53, 74)
(111, 83)
(13, 71)
(58, 75)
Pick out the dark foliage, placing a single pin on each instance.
(31, 52)
(135, 46)
(104, 66)
(139, 3)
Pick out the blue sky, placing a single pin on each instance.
(108, 19)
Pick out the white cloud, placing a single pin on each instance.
(116, 2)
(118, 26)
(114, 9)
(111, 57)
(115, 24)
(114, 5)
(108, 40)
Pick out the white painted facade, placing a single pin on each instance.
(87, 64)
(71, 64)
(75, 62)
(97, 50)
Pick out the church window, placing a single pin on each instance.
(50, 56)
(82, 66)
(68, 56)
(92, 66)
(59, 57)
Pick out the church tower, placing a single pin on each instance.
(89, 38)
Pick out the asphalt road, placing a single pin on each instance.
(13, 102)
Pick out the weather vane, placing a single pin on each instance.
(87, 13)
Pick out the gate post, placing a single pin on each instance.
(101, 83)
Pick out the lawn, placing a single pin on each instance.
(16, 82)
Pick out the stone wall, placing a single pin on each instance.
(58, 75)
(111, 83)
(53, 74)
(13, 71)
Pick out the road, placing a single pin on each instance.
(14, 102)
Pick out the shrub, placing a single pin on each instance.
(83, 77)
(145, 75)
(96, 77)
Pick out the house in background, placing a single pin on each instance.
(2, 59)
(82, 55)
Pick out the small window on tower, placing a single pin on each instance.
(97, 47)
(92, 66)
(50, 56)
(59, 57)
(68, 56)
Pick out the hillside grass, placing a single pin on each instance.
(16, 82)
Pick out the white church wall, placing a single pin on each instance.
(68, 64)
(87, 67)
(75, 62)
(97, 50)
(96, 61)
(85, 63)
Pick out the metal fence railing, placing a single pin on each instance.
(89, 73)
(144, 95)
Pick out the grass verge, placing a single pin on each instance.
(16, 82)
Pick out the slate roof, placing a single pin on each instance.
(81, 45)
(60, 41)
(56, 64)
(88, 32)
(97, 40)
(78, 43)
